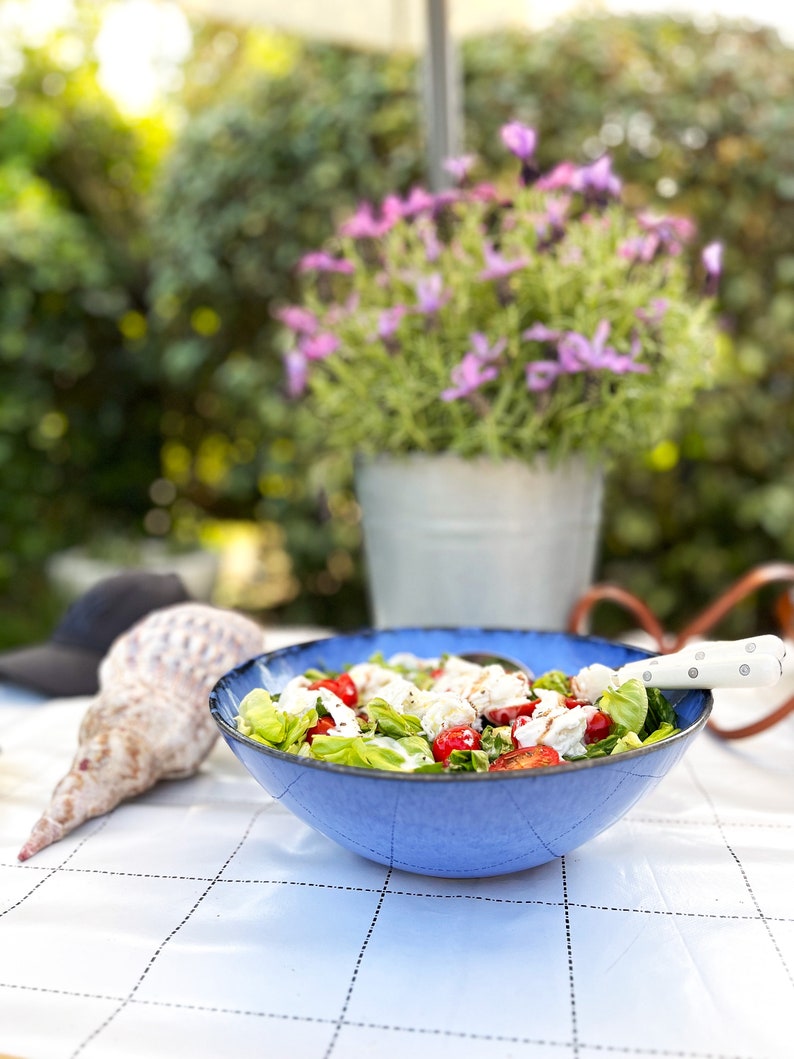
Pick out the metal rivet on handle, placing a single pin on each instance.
(692, 673)
(744, 669)
(700, 655)
(647, 675)
(750, 648)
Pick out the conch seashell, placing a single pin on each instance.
(150, 720)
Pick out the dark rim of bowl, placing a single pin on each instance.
(446, 777)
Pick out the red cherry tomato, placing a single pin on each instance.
(342, 686)
(598, 727)
(348, 692)
(528, 757)
(570, 702)
(323, 726)
(507, 714)
(518, 723)
(461, 737)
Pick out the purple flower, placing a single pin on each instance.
(562, 176)
(429, 235)
(712, 262)
(482, 350)
(642, 248)
(664, 234)
(458, 168)
(597, 181)
(672, 230)
(296, 370)
(299, 320)
(654, 314)
(541, 333)
(430, 293)
(540, 374)
(519, 139)
(389, 320)
(391, 211)
(467, 377)
(496, 266)
(577, 353)
(483, 192)
(319, 261)
(363, 224)
(319, 346)
(417, 201)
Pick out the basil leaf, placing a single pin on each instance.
(468, 761)
(496, 740)
(660, 711)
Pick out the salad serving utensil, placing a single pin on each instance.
(753, 662)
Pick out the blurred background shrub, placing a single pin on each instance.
(140, 373)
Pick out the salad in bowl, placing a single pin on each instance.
(387, 744)
(412, 714)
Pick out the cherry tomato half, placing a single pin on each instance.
(342, 686)
(598, 727)
(461, 737)
(323, 726)
(570, 702)
(528, 757)
(507, 714)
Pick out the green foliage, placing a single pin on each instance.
(700, 116)
(78, 425)
(254, 180)
(138, 284)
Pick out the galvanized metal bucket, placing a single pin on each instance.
(454, 542)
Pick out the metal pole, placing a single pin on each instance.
(443, 106)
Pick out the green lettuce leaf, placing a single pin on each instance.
(374, 752)
(260, 719)
(390, 722)
(554, 680)
(662, 732)
(627, 705)
(629, 741)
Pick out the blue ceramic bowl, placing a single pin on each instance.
(461, 824)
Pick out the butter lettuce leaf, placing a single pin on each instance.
(374, 752)
(261, 719)
(627, 705)
(554, 680)
(390, 722)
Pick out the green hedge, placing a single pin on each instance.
(138, 283)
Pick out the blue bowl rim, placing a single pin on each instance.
(443, 777)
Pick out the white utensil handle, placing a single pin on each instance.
(669, 671)
(753, 645)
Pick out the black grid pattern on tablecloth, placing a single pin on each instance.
(352, 960)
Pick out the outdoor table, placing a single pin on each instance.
(201, 919)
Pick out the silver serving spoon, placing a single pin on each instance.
(754, 662)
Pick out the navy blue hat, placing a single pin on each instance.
(68, 663)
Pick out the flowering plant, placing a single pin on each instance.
(554, 320)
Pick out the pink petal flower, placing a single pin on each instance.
(519, 139)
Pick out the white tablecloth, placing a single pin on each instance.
(203, 920)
